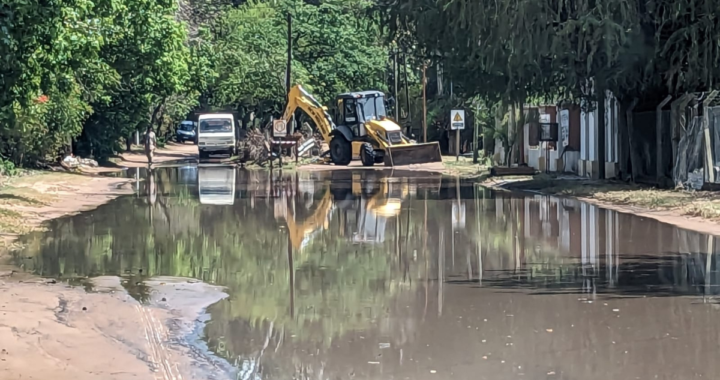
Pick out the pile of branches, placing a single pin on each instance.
(254, 148)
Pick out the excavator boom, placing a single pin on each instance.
(299, 98)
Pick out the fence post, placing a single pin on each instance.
(659, 140)
(709, 164)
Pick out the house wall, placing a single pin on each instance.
(569, 139)
(588, 165)
(562, 158)
(544, 156)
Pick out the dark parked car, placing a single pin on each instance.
(186, 132)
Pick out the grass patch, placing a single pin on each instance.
(14, 222)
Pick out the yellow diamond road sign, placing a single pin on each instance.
(457, 119)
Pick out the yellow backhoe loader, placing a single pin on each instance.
(363, 131)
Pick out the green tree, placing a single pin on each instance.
(336, 48)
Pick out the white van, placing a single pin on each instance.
(216, 134)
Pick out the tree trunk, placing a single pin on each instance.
(600, 88)
(153, 118)
(635, 161)
(512, 135)
(623, 140)
(521, 134)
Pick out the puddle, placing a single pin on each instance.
(404, 275)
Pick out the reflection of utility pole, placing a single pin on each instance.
(291, 270)
(425, 255)
(397, 238)
(478, 230)
(457, 200)
(708, 265)
(441, 270)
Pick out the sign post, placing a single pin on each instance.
(279, 128)
(457, 123)
(279, 132)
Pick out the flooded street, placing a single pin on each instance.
(399, 275)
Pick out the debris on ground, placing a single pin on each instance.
(73, 162)
(254, 146)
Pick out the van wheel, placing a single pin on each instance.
(340, 150)
(367, 154)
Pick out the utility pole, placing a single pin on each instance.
(407, 94)
(289, 57)
(476, 124)
(424, 90)
(395, 78)
(288, 69)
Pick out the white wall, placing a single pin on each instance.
(589, 133)
(536, 156)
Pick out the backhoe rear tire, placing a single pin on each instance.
(340, 151)
(367, 154)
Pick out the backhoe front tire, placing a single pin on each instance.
(367, 154)
(340, 151)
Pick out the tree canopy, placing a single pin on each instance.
(521, 48)
(87, 75)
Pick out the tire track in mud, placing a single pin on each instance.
(156, 335)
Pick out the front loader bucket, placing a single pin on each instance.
(412, 154)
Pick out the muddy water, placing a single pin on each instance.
(404, 275)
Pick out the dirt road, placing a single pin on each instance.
(171, 152)
(54, 331)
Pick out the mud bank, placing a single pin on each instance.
(61, 332)
(27, 202)
(699, 211)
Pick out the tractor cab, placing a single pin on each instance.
(354, 109)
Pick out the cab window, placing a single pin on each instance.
(350, 111)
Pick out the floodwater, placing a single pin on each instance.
(405, 275)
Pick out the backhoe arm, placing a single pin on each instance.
(299, 98)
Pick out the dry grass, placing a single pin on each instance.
(703, 204)
(464, 166)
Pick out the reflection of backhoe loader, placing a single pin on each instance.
(364, 130)
(367, 203)
(302, 232)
